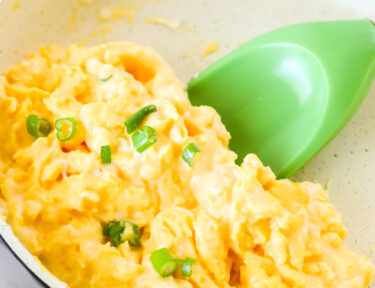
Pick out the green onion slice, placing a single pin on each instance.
(122, 231)
(163, 262)
(187, 268)
(144, 138)
(131, 234)
(106, 79)
(134, 121)
(189, 153)
(106, 154)
(115, 232)
(107, 228)
(66, 128)
(37, 126)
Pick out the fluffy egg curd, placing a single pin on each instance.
(111, 178)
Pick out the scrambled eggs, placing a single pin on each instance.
(243, 227)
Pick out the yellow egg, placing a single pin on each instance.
(243, 227)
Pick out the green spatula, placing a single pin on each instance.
(287, 93)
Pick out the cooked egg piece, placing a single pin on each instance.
(243, 227)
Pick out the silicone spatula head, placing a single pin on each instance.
(286, 94)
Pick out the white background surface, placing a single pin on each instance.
(349, 161)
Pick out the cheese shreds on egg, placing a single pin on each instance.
(243, 227)
(210, 48)
(172, 24)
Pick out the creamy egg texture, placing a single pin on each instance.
(243, 227)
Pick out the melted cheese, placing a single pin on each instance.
(172, 24)
(124, 10)
(210, 48)
(16, 5)
(244, 227)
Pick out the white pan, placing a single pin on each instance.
(348, 162)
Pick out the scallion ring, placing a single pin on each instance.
(134, 121)
(66, 128)
(187, 269)
(37, 126)
(144, 138)
(163, 262)
(106, 154)
(106, 78)
(189, 153)
(121, 231)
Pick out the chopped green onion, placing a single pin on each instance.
(186, 266)
(163, 262)
(106, 79)
(106, 154)
(134, 121)
(131, 234)
(66, 128)
(144, 138)
(179, 261)
(186, 269)
(189, 153)
(107, 228)
(122, 231)
(115, 232)
(37, 126)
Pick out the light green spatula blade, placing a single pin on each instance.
(287, 93)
